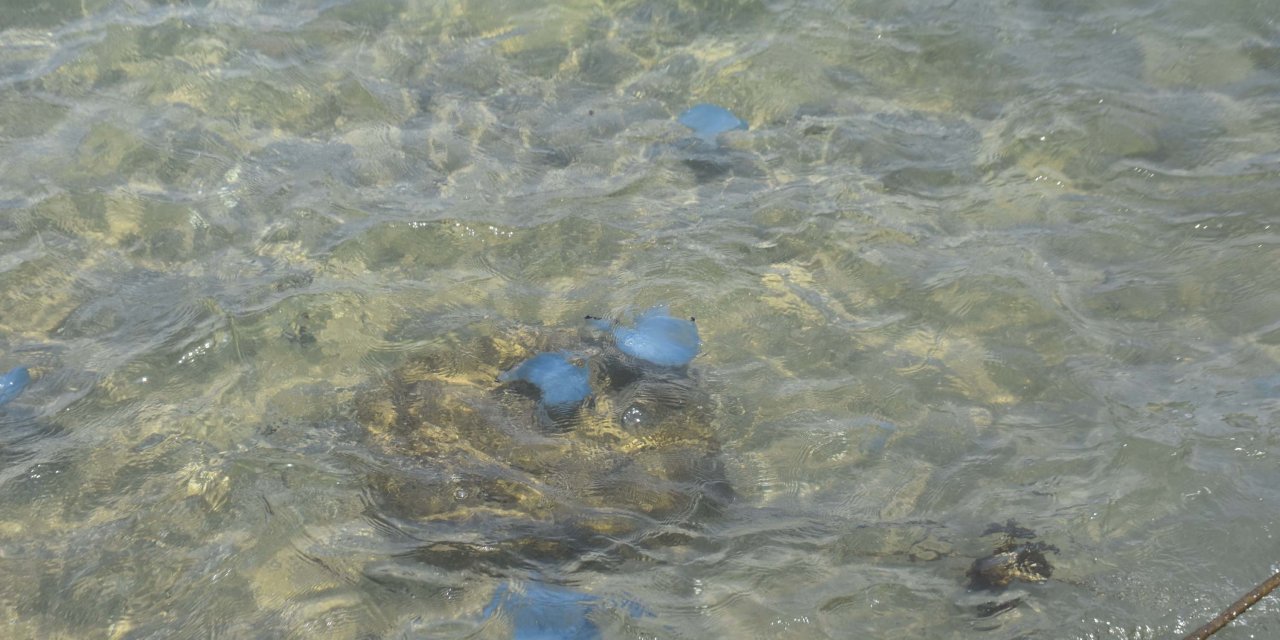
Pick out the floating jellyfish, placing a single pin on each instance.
(657, 338)
(12, 383)
(562, 384)
(540, 611)
(708, 121)
(879, 437)
(1267, 384)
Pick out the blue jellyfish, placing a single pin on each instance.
(1267, 384)
(562, 384)
(708, 121)
(12, 383)
(541, 611)
(657, 338)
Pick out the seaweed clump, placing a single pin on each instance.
(1014, 558)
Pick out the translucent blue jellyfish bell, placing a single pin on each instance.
(656, 338)
(562, 386)
(539, 611)
(708, 121)
(12, 383)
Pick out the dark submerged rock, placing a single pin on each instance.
(1011, 559)
(1015, 558)
(1025, 561)
(463, 463)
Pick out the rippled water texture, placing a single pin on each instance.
(969, 263)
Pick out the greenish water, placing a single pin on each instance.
(972, 262)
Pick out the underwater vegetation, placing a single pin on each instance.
(1014, 559)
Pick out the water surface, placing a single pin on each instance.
(970, 262)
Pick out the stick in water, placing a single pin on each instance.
(1259, 592)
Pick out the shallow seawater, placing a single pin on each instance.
(969, 263)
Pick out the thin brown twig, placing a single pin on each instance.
(1259, 592)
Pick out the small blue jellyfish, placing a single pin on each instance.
(1267, 384)
(563, 385)
(12, 383)
(708, 121)
(542, 611)
(658, 338)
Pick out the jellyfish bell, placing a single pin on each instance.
(656, 338)
(13, 382)
(561, 385)
(708, 121)
(536, 610)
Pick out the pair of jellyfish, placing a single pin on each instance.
(537, 610)
(655, 338)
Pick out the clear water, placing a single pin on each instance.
(971, 262)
